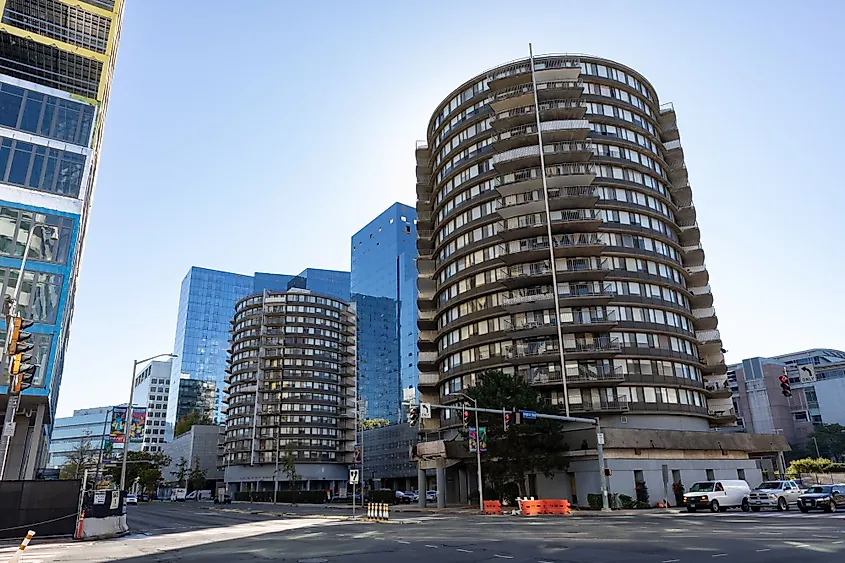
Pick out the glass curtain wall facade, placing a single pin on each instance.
(206, 305)
(383, 286)
(56, 65)
(614, 272)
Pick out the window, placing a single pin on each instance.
(740, 474)
(638, 476)
(710, 474)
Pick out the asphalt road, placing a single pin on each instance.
(191, 534)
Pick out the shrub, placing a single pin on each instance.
(626, 501)
(304, 497)
(594, 500)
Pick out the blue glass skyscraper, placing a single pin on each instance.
(383, 282)
(206, 305)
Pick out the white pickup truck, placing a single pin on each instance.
(774, 494)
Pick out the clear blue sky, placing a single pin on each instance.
(259, 138)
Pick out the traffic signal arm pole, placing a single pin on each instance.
(478, 459)
(126, 426)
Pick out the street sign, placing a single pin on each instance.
(529, 415)
(100, 498)
(601, 438)
(354, 476)
(425, 410)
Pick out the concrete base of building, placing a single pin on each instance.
(29, 444)
(312, 477)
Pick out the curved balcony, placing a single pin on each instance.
(558, 130)
(525, 299)
(565, 220)
(565, 245)
(693, 255)
(427, 320)
(685, 216)
(679, 176)
(714, 364)
(689, 235)
(587, 376)
(523, 275)
(723, 417)
(527, 352)
(559, 198)
(588, 320)
(557, 176)
(530, 328)
(603, 405)
(716, 391)
(705, 318)
(592, 294)
(550, 110)
(604, 346)
(674, 153)
(697, 275)
(523, 94)
(561, 68)
(700, 296)
(553, 153)
(681, 194)
(710, 342)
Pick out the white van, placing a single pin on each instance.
(718, 496)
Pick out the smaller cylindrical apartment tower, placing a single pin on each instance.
(290, 388)
(624, 262)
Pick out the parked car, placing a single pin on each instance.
(822, 497)
(178, 494)
(431, 496)
(718, 496)
(225, 498)
(402, 497)
(413, 496)
(131, 499)
(774, 494)
(199, 495)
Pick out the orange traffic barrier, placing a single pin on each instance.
(556, 507)
(531, 507)
(492, 507)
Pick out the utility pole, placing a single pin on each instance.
(276, 472)
(477, 452)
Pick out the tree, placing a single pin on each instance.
(809, 465)
(181, 472)
(532, 447)
(144, 466)
(288, 467)
(196, 478)
(831, 441)
(372, 423)
(83, 456)
(188, 421)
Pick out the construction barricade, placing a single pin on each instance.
(492, 507)
(556, 507)
(531, 507)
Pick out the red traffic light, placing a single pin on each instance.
(783, 379)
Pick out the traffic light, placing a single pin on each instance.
(508, 418)
(21, 370)
(784, 386)
(18, 339)
(414, 416)
(466, 419)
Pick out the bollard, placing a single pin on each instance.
(387, 512)
(369, 510)
(17, 556)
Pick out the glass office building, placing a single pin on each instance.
(384, 287)
(56, 65)
(206, 306)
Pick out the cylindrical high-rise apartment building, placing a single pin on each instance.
(290, 388)
(590, 243)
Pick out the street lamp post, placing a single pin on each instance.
(477, 452)
(11, 309)
(127, 424)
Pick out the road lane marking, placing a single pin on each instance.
(431, 546)
(720, 555)
(503, 556)
(405, 542)
(763, 550)
(838, 542)
(671, 561)
(825, 537)
(464, 550)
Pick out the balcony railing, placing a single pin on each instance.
(570, 169)
(584, 375)
(708, 335)
(551, 148)
(723, 413)
(544, 106)
(545, 126)
(603, 405)
(667, 107)
(704, 313)
(523, 89)
(525, 66)
(539, 219)
(569, 192)
(527, 296)
(672, 145)
(559, 241)
(595, 345)
(598, 316)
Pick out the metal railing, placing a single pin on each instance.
(550, 148)
(672, 145)
(602, 405)
(666, 107)
(525, 67)
(597, 316)
(704, 313)
(565, 103)
(595, 345)
(700, 290)
(554, 193)
(527, 296)
(533, 173)
(724, 413)
(539, 219)
(555, 125)
(559, 241)
(708, 335)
